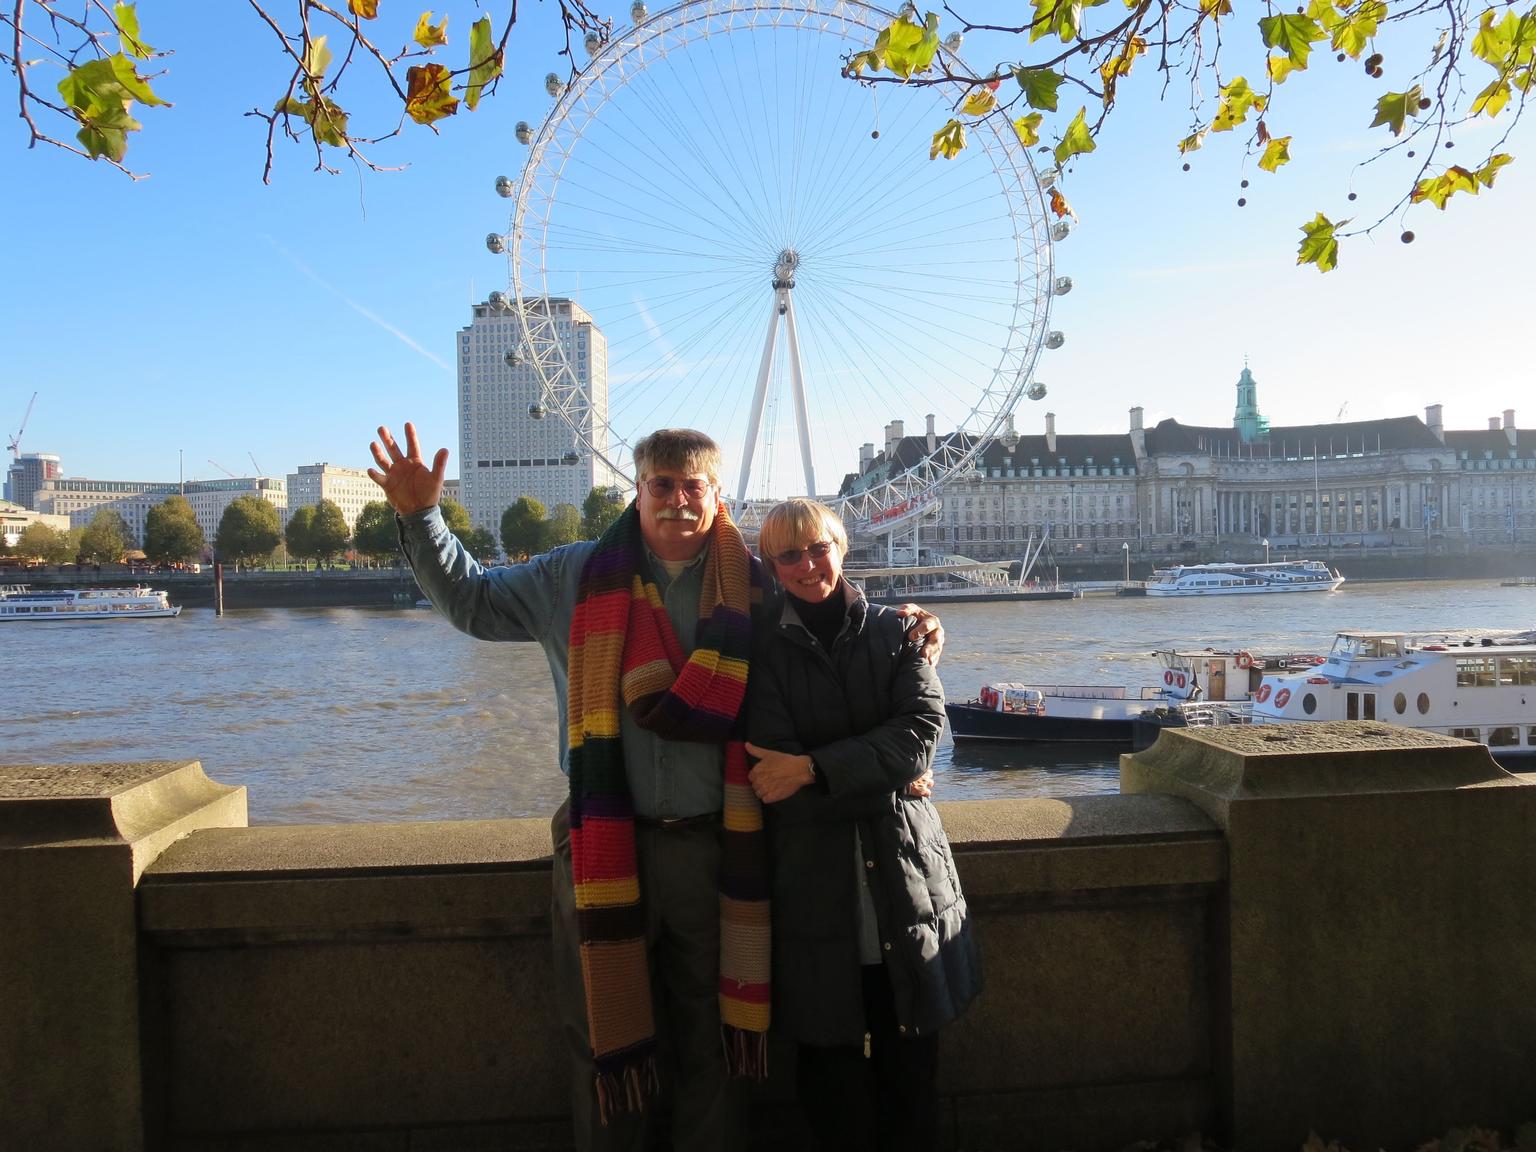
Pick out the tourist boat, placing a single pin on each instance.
(1243, 579)
(1198, 689)
(1478, 688)
(19, 602)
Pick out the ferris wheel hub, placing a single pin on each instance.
(784, 268)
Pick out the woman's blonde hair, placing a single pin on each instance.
(792, 523)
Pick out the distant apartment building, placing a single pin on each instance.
(347, 488)
(80, 500)
(1396, 480)
(510, 444)
(209, 498)
(28, 473)
(14, 520)
(450, 491)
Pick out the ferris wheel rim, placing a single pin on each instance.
(536, 196)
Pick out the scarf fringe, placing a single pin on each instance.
(746, 1053)
(629, 1089)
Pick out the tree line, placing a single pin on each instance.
(251, 529)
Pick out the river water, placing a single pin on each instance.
(351, 714)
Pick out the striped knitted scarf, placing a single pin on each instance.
(623, 649)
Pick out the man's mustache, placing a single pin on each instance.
(676, 514)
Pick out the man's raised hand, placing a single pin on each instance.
(409, 485)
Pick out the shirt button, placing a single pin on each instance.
(887, 945)
(902, 1028)
(869, 863)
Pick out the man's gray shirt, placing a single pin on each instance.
(535, 601)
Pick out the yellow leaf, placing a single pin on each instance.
(1488, 171)
(978, 102)
(317, 59)
(1279, 68)
(1059, 204)
(1276, 153)
(948, 141)
(1192, 142)
(428, 94)
(428, 34)
(1438, 189)
(367, 9)
(1028, 128)
(1492, 99)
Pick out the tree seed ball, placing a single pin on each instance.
(1450, 143)
(1186, 166)
(1242, 201)
(1340, 57)
(1351, 195)
(1407, 237)
(1410, 153)
(1244, 184)
(1423, 103)
(875, 135)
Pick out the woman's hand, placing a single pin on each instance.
(778, 775)
(922, 786)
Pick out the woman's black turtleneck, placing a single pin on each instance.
(824, 620)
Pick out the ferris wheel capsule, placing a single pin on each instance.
(1048, 177)
(1060, 230)
(495, 243)
(536, 411)
(497, 300)
(1036, 391)
(593, 43)
(638, 11)
(554, 85)
(504, 186)
(1062, 285)
(953, 41)
(512, 358)
(522, 131)
(1055, 340)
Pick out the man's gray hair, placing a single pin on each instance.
(681, 450)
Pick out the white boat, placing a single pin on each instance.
(1481, 688)
(1243, 579)
(1201, 688)
(19, 602)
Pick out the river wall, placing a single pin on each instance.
(1268, 933)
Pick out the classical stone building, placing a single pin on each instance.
(1402, 480)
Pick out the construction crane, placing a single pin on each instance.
(223, 469)
(255, 465)
(15, 444)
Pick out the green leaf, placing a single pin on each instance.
(135, 85)
(1395, 109)
(429, 96)
(948, 141)
(1279, 67)
(1060, 18)
(329, 123)
(428, 34)
(910, 47)
(1325, 14)
(1354, 31)
(1492, 99)
(1493, 41)
(1237, 99)
(1318, 245)
(1487, 173)
(1276, 153)
(1438, 189)
(317, 58)
(978, 102)
(1039, 86)
(484, 61)
(1292, 35)
(1077, 140)
(1028, 128)
(126, 17)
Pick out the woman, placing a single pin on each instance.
(872, 951)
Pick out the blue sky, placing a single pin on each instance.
(203, 312)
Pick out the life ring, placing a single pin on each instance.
(1244, 660)
(1179, 679)
(1282, 697)
(1262, 694)
(1168, 676)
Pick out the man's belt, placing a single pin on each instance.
(677, 823)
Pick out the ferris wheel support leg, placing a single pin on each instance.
(758, 398)
(799, 381)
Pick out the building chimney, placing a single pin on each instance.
(1436, 425)
(1509, 426)
(894, 431)
(933, 440)
(866, 457)
(1050, 431)
(1493, 424)
(1136, 419)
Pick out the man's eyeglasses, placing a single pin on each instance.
(663, 486)
(816, 551)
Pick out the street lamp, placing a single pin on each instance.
(1125, 547)
(1265, 542)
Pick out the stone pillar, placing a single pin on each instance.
(1381, 915)
(74, 839)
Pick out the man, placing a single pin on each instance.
(646, 632)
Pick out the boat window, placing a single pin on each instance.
(1517, 670)
(1475, 671)
(1370, 705)
(1352, 706)
(1530, 735)
(1467, 733)
(1309, 703)
(1399, 703)
(1505, 737)
(1423, 703)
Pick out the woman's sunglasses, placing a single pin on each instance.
(663, 486)
(816, 551)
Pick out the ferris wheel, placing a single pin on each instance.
(714, 229)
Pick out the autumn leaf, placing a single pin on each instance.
(910, 47)
(1292, 35)
(1396, 108)
(428, 34)
(126, 17)
(317, 58)
(1059, 204)
(978, 102)
(1028, 128)
(1492, 42)
(1213, 8)
(324, 116)
(1318, 245)
(1276, 153)
(1039, 86)
(1077, 140)
(1192, 142)
(1236, 101)
(428, 96)
(1060, 18)
(1492, 99)
(484, 61)
(1438, 189)
(367, 9)
(1354, 31)
(1119, 63)
(948, 141)
(1487, 173)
